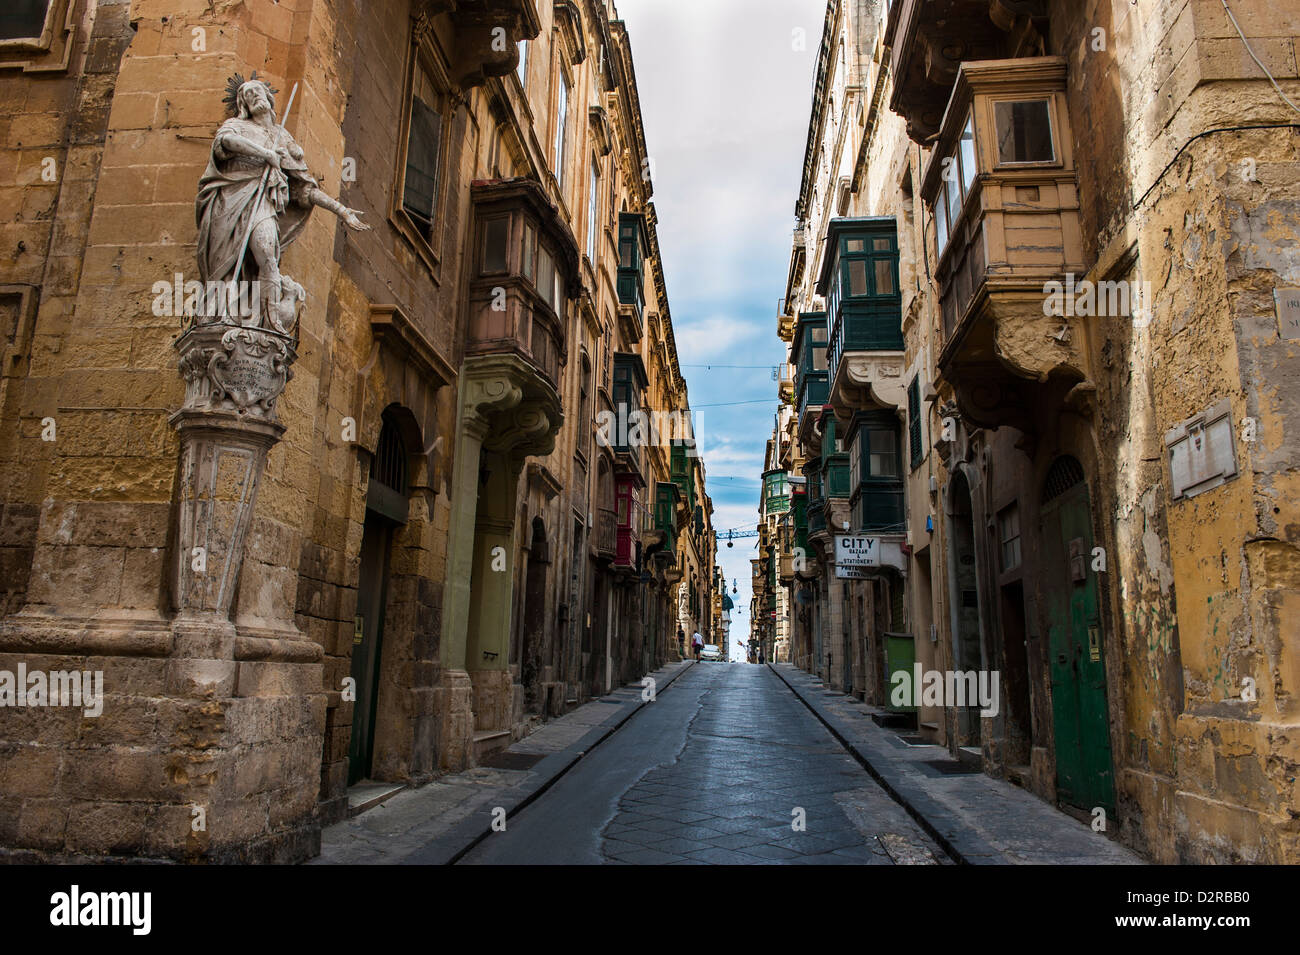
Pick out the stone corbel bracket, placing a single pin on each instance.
(487, 36)
(865, 381)
(511, 405)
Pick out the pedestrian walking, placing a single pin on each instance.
(697, 643)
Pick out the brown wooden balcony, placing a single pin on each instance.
(1004, 214)
(606, 534)
(525, 276)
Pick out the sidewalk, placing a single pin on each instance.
(437, 823)
(976, 818)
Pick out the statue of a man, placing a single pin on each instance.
(243, 222)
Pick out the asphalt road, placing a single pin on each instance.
(725, 767)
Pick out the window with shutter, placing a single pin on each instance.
(914, 421)
(423, 155)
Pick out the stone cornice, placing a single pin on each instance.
(393, 329)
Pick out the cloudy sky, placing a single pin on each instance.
(726, 88)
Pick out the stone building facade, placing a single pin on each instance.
(439, 543)
(1065, 388)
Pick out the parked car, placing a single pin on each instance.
(710, 652)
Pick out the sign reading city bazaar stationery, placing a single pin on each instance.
(855, 555)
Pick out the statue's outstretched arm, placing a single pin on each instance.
(317, 197)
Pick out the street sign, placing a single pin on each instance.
(854, 555)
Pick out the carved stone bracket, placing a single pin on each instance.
(865, 381)
(487, 35)
(510, 405)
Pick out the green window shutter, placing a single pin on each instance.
(914, 421)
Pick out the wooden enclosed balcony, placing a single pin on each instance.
(859, 279)
(525, 276)
(1004, 220)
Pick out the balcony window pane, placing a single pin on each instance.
(1024, 131)
(857, 277)
(881, 245)
(545, 276)
(885, 277)
(529, 251)
(494, 245)
(853, 245)
(967, 151)
(952, 192)
(883, 459)
(940, 225)
(627, 247)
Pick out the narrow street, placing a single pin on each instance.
(714, 772)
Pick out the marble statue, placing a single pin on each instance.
(255, 196)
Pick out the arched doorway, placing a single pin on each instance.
(1080, 719)
(386, 509)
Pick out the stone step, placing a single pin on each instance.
(487, 742)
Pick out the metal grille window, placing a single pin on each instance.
(387, 490)
(1065, 473)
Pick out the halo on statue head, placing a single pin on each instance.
(235, 86)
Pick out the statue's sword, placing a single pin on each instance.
(257, 200)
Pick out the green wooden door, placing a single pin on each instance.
(1084, 773)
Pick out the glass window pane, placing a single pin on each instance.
(853, 245)
(967, 152)
(940, 224)
(857, 277)
(494, 245)
(545, 275)
(881, 245)
(884, 455)
(885, 277)
(1024, 131)
(523, 60)
(529, 251)
(952, 190)
(593, 203)
(561, 122)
